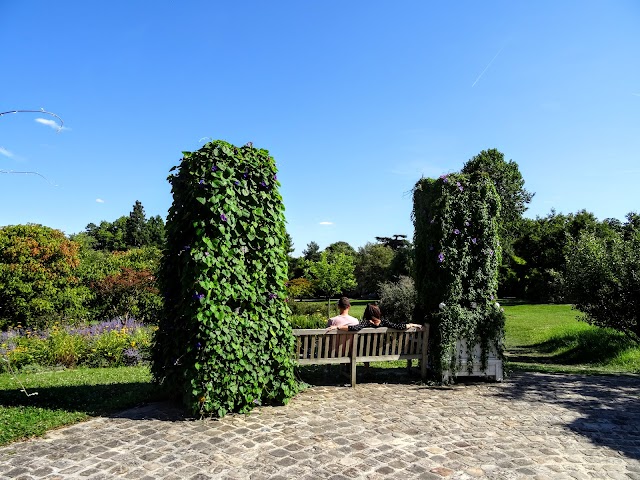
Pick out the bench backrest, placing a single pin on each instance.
(317, 346)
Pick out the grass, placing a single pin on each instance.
(55, 398)
(549, 338)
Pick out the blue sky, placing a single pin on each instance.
(356, 100)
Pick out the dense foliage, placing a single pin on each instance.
(398, 300)
(603, 279)
(457, 255)
(224, 342)
(38, 282)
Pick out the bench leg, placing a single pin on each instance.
(353, 371)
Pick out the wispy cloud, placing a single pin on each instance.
(5, 152)
(50, 123)
(99, 200)
(326, 223)
(636, 94)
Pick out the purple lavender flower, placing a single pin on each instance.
(440, 257)
(223, 217)
(456, 231)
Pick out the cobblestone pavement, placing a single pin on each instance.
(530, 426)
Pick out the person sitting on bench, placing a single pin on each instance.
(372, 318)
(343, 318)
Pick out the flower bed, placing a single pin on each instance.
(113, 343)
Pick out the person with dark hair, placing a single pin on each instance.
(372, 318)
(343, 318)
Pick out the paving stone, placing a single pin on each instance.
(539, 426)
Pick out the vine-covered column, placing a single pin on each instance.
(224, 342)
(457, 255)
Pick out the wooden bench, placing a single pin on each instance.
(319, 347)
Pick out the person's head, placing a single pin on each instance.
(344, 304)
(372, 313)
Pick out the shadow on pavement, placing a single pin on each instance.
(608, 405)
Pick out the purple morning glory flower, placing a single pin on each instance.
(198, 296)
(466, 223)
(272, 296)
(201, 182)
(490, 252)
(275, 177)
(245, 175)
(198, 345)
(186, 248)
(214, 168)
(206, 254)
(444, 178)
(459, 186)
(223, 217)
(262, 184)
(456, 231)
(237, 182)
(440, 257)
(474, 240)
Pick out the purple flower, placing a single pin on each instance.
(206, 254)
(198, 296)
(237, 182)
(201, 182)
(456, 231)
(214, 168)
(444, 178)
(198, 345)
(440, 257)
(432, 220)
(223, 217)
(459, 186)
(466, 223)
(474, 240)
(491, 297)
(186, 248)
(262, 184)
(490, 252)
(245, 175)
(272, 296)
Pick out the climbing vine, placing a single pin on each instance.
(224, 341)
(457, 255)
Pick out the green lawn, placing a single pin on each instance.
(550, 338)
(51, 399)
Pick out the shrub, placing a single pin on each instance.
(603, 280)
(315, 320)
(398, 300)
(299, 288)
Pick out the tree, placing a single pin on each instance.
(155, 231)
(373, 267)
(396, 242)
(333, 274)
(136, 233)
(507, 179)
(341, 247)
(37, 277)
(603, 279)
(312, 252)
